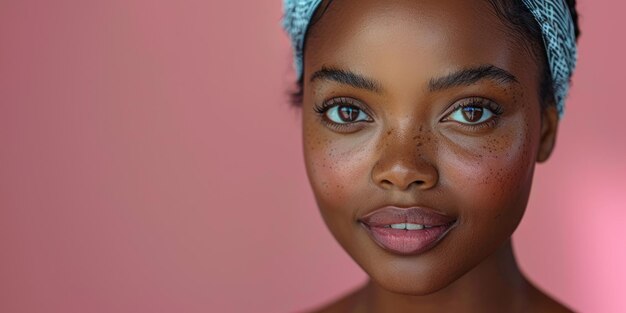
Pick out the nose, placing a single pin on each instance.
(402, 165)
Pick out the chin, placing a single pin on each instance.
(402, 281)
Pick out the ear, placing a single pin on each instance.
(549, 125)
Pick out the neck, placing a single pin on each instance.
(495, 285)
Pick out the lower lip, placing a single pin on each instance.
(407, 242)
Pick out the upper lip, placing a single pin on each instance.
(396, 215)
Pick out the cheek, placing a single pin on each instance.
(492, 178)
(336, 168)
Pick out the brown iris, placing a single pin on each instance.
(348, 113)
(472, 114)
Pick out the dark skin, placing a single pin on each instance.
(399, 124)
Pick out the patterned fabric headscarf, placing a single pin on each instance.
(553, 16)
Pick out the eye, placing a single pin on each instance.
(474, 112)
(471, 114)
(342, 114)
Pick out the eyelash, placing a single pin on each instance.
(495, 108)
(321, 109)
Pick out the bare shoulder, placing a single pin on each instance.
(342, 304)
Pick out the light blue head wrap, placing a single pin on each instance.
(553, 16)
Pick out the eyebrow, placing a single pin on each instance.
(471, 76)
(347, 78)
(463, 77)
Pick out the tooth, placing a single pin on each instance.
(398, 226)
(414, 226)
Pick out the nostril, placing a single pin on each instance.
(417, 183)
(404, 175)
(389, 183)
(386, 182)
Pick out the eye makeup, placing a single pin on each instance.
(474, 108)
(342, 113)
(346, 114)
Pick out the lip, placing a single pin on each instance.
(403, 241)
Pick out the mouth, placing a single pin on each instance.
(407, 231)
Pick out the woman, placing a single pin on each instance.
(422, 124)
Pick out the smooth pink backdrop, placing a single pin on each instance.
(149, 162)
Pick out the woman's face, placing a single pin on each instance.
(429, 104)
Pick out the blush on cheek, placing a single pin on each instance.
(338, 181)
(493, 175)
(332, 176)
(340, 169)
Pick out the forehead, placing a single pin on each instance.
(408, 40)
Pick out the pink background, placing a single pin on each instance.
(149, 162)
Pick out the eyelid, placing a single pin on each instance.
(482, 102)
(323, 109)
(495, 109)
(327, 104)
